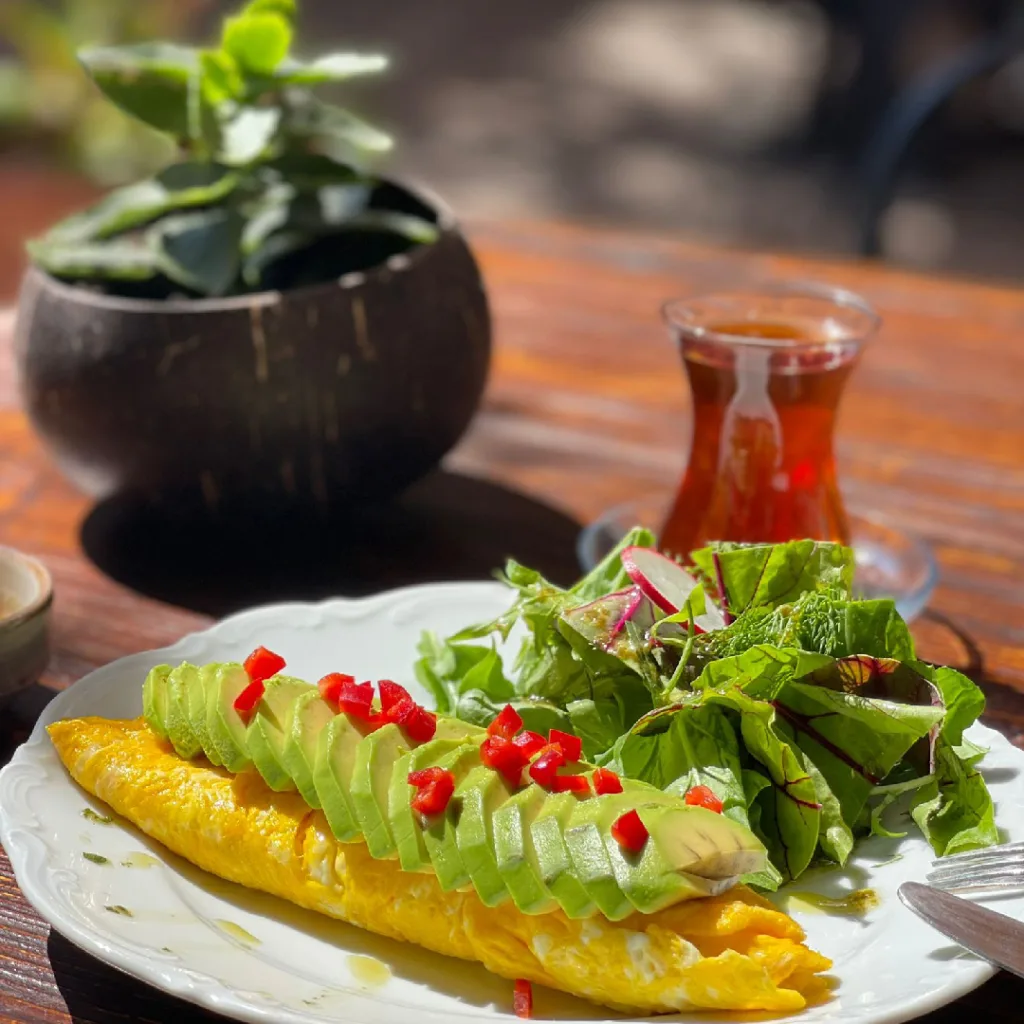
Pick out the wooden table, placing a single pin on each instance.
(586, 408)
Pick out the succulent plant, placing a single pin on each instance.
(273, 186)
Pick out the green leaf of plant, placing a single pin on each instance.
(333, 131)
(150, 81)
(335, 67)
(247, 134)
(307, 172)
(222, 78)
(121, 260)
(177, 187)
(257, 40)
(201, 251)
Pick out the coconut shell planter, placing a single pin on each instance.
(266, 324)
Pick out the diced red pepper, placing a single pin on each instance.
(522, 999)
(420, 725)
(606, 781)
(420, 778)
(571, 745)
(331, 685)
(630, 832)
(702, 796)
(391, 694)
(262, 664)
(417, 723)
(245, 703)
(504, 756)
(572, 784)
(356, 699)
(434, 789)
(529, 742)
(507, 723)
(546, 764)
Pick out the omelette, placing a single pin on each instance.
(546, 885)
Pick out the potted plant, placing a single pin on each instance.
(265, 318)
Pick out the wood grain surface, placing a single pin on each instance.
(586, 408)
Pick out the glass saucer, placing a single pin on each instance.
(890, 563)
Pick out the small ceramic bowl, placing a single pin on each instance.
(26, 594)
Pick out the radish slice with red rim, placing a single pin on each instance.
(665, 582)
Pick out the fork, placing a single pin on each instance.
(997, 867)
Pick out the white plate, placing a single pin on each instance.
(889, 966)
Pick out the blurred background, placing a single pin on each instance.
(888, 127)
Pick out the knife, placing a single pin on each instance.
(994, 937)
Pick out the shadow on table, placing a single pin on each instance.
(445, 527)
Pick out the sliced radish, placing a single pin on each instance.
(665, 582)
(602, 621)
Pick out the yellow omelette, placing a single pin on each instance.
(729, 952)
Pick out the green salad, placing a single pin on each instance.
(755, 672)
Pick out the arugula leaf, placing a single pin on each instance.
(749, 576)
(442, 665)
(954, 811)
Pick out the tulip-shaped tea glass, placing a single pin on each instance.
(767, 367)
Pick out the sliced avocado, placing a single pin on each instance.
(439, 834)
(266, 732)
(224, 725)
(332, 774)
(178, 721)
(482, 792)
(308, 716)
(195, 699)
(154, 699)
(584, 839)
(514, 851)
(691, 852)
(553, 860)
(406, 825)
(371, 779)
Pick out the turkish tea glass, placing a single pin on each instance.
(767, 367)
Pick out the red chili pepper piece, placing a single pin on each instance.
(546, 765)
(529, 742)
(418, 723)
(421, 725)
(504, 756)
(507, 724)
(331, 685)
(522, 999)
(262, 664)
(572, 784)
(391, 694)
(434, 789)
(606, 781)
(571, 745)
(356, 699)
(702, 796)
(630, 832)
(420, 778)
(246, 701)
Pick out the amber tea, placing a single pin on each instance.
(766, 387)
